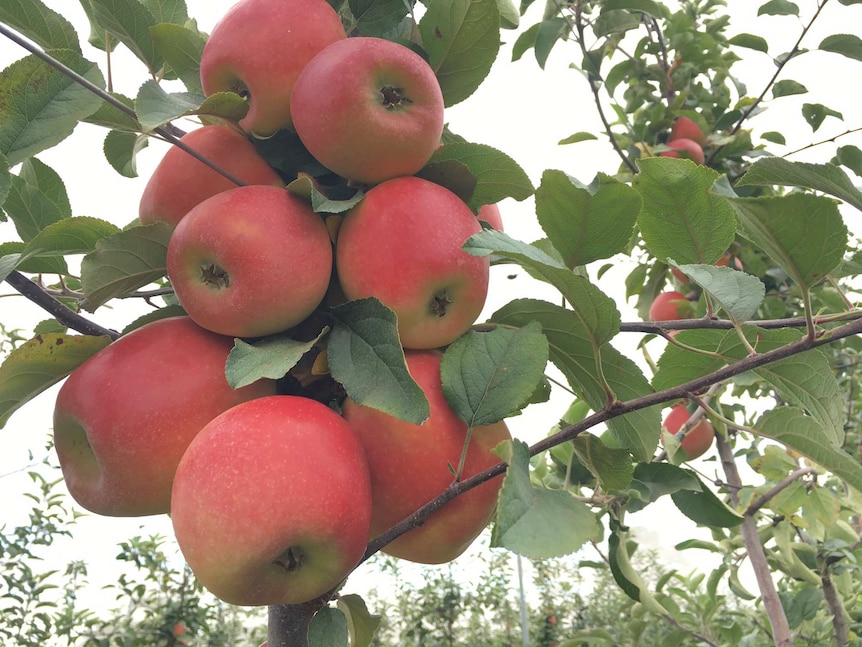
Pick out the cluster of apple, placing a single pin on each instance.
(686, 139)
(273, 497)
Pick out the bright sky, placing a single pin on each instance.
(520, 110)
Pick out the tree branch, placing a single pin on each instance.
(774, 491)
(288, 624)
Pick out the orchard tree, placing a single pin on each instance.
(342, 255)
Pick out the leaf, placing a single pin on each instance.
(121, 149)
(328, 628)
(611, 466)
(827, 178)
(648, 7)
(124, 262)
(577, 137)
(366, 357)
(750, 41)
(787, 87)
(510, 18)
(40, 363)
(462, 38)
(129, 22)
(579, 360)
(626, 575)
(38, 23)
(816, 113)
(848, 45)
(615, 21)
(377, 17)
(548, 34)
(167, 11)
(851, 157)
(586, 223)
(76, 235)
(774, 137)
(41, 105)
(681, 217)
(778, 8)
(704, 508)
(804, 234)
(738, 293)
(791, 427)
(29, 208)
(111, 117)
(269, 358)
(155, 107)
(536, 522)
(497, 175)
(181, 49)
(361, 624)
(489, 375)
(654, 480)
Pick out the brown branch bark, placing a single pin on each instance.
(773, 492)
(833, 601)
(288, 624)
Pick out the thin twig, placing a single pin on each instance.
(789, 480)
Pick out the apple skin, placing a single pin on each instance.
(259, 48)
(270, 481)
(684, 148)
(181, 182)
(686, 128)
(490, 213)
(123, 419)
(697, 440)
(668, 306)
(368, 109)
(402, 244)
(410, 464)
(251, 261)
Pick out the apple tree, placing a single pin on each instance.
(349, 276)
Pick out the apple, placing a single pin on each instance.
(181, 182)
(403, 245)
(410, 465)
(684, 148)
(368, 109)
(251, 261)
(272, 502)
(490, 213)
(669, 306)
(123, 419)
(697, 440)
(686, 128)
(258, 49)
(724, 261)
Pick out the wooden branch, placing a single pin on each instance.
(288, 624)
(774, 491)
(836, 608)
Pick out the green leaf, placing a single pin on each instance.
(41, 176)
(787, 87)
(5, 183)
(40, 363)
(804, 234)
(168, 11)
(361, 624)
(38, 23)
(827, 178)
(377, 17)
(573, 352)
(41, 105)
(155, 107)
(774, 137)
(681, 217)
(851, 157)
(76, 235)
(738, 293)
(490, 374)
(509, 16)
(366, 357)
(791, 427)
(778, 8)
(124, 262)
(611, 466)
(704, 508)
(269, 358)
(328, 628)
(111, 117)
(586, 223)
(129, 22)
(848, 45)
(29, 208)
(536, 522)
(648, 7)
(181, 49)
(497, 175)
(626, 575)
(154, 315)
(12, 258)
(577, 137)
(654, 480)
(750, 41)
(615, 21)
(462, 38)
(225, 105)
(121, 149)
(816, 113)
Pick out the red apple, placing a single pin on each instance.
(410, 466)
(123, 418)
(669, 306)
(368, 109)
(272, 502)
(251, 261)
(686, 128)
(697, 440)
(258, 49)
(402, 244)
(684, 148)
(181, 182)
(490, 213)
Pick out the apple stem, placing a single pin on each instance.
(288, 624)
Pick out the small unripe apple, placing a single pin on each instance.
(684, 148)
(686, 128)
(669, 306)
(368, 109)
(698, 439)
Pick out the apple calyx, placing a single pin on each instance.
(214, 276)
(440, 303)
(290, 560)
(393, 98)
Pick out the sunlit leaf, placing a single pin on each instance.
(271, 358)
